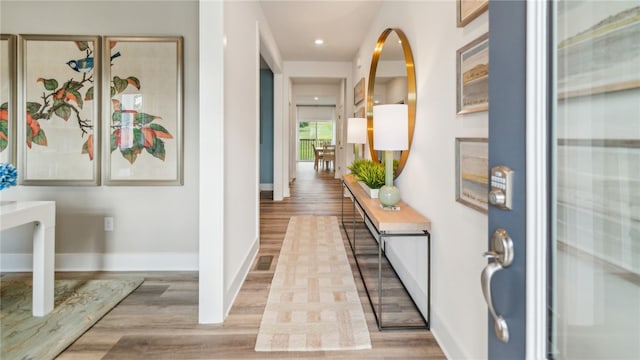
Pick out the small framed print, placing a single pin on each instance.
(7, 98)
(358, 92)
(467, 10)
(144, 80)
(472, 173)
(472, 80)
(58, 114)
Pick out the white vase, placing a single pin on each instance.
(373, 193)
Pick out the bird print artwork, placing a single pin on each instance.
(132, 131)
(65, 100)
(86, 64)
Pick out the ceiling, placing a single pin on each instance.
(342, 24)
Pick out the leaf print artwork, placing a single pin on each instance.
(134, 131)
(4, 126)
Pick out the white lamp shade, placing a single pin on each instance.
(356, 131)
(391, 127)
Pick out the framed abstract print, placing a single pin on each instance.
(467, 10)
(358, 92)
(144, 81)
(59, 110)
(472, 80)
(472, 173)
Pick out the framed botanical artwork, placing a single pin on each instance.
(7, 98)
(144, 80)
(358, 92)
(467, 10)
(472, 173)
(59, 108)
(472, 76)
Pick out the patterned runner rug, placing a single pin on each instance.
(313, 303)
(78, 304)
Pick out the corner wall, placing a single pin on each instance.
(458, 312)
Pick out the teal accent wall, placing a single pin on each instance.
(266, 126)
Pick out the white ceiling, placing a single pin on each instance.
(342, 24)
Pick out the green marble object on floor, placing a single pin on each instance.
(78, 305)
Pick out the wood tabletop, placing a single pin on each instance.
(404, 220)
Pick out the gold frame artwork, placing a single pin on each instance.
(472, 173)
(144, 127)
(358, 92)
(472, 76)
(467, 10)
(8, 93)
(58, 111)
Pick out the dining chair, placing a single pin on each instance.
(318, 156)
(329, 156)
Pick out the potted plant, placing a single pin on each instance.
(370, 175)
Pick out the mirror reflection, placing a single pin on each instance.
(392, 81)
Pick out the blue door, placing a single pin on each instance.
(563, 278)
(504, 278)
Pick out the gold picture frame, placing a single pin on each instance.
(472, 76)
(358, 92)
(467, 10)
(8, 82)
(472, 173)
(144, 81)
(59, 110)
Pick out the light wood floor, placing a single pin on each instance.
(159, 319)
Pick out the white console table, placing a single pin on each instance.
(43, 214)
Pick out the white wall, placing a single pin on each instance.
(244, 26)
(427, 183)
(156, 228)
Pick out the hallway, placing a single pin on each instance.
(159, 319)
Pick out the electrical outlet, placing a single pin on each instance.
(108, 223)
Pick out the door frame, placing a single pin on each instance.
(536, 133)
(539, 89)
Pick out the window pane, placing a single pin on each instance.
(596, 271)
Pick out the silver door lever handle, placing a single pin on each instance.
(500, 325)
(502, 255)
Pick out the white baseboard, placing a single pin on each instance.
(231, 293)
(106, 262)
(266, 187)
(447, 341)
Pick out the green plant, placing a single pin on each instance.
(356, 165)
(368, 172)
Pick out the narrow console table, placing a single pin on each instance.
(384, 224)
(43, 214)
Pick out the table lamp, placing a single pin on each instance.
(356, 134)
(390, 133)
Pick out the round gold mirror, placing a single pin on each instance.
(392, 80)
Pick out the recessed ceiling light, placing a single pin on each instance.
(316, 98)
(319, 42)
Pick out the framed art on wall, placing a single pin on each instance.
(467, 10)
(358, 92)
(472, 169)
(58, 113)
(7, 98)
(472, 76)
(143, 76)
